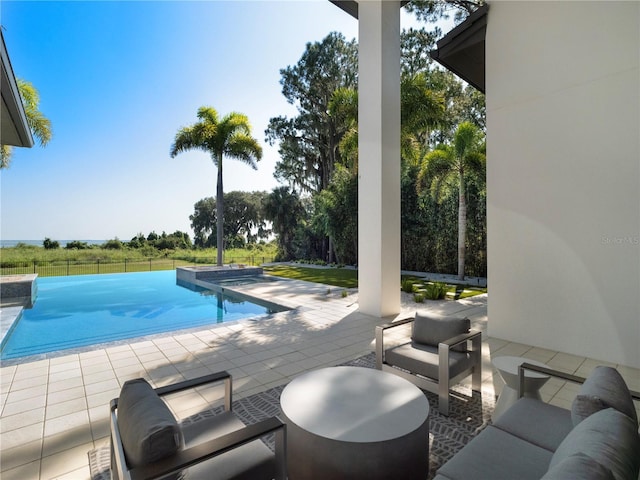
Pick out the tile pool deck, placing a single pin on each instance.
(55, 410)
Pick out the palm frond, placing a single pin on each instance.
(476, 163)
(237, 120)
(438, 163)
(438, 166)
(344, 104)
(466, 139)
(5, 156)
(38, 123)
(208, 115)
(244, 148)
(187, 138)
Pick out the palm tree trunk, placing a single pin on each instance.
(462, 226)
(220, 214)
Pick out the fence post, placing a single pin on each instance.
(149, 264)
(125, 265)
(34, 266)
(98, 265)
(68, 272)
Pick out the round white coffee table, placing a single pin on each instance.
(508, 368)
(354, 422)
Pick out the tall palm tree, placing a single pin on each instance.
(228, 136)
(465, 156)
(39, 124)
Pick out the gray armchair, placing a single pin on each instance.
(441, 352)
(147, 441)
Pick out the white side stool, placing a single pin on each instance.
(508, 369)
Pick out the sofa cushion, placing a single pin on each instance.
(604, 388)
(148, 429)
(497, 455)
(578, 466)
(610, 438)
(424, 360)
(431, 329)
(537, 422)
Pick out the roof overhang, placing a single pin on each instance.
(351, 6)
(462, 49)
(14, 129)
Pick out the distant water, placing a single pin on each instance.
(63, 243)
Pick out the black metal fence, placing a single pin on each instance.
(84, 267)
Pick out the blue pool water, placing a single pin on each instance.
(78, 311)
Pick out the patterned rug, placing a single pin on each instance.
(468, 415)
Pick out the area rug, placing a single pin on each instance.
(468, 415)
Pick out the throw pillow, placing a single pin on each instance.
(603, 388)
(148, 429)
(610, 438)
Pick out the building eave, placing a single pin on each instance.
(351, 6)
(462, 50)
(14, 126)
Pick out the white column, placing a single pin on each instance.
(379, 157)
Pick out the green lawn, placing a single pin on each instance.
(339, 277)
(348, 278)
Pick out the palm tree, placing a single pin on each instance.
(230, 137)
(39, 124)
(465, 156)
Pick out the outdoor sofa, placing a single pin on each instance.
(597, 439)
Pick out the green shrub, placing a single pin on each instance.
(49, 244)
(418, 287)
(77, 245)
(418, 297)
(436, 290)
(114, 244)
(344, 294)
(407, 286)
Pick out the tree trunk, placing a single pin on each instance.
(462, 226)
(220, 214)
(330, 250)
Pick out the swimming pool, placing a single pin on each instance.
(83, 310)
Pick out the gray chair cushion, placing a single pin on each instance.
(148, 429)
(610, 438)
(431, 329)
(578, 466)
(251, 461)
(537, 422)
(424, 360)
(497, 455)
(604, 388)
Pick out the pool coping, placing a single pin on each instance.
(9, 317)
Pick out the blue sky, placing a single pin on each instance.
(118, 79)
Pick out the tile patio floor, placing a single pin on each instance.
(55, 410)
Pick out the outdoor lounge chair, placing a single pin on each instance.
(147, 441)
(442, 351)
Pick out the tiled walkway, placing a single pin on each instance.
(55, 410)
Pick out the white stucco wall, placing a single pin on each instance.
(563, 176)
